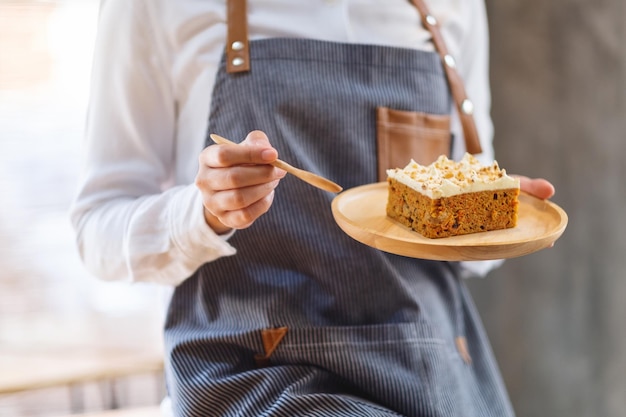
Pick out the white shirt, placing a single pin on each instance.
(138, 215)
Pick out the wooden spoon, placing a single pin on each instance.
(306, 176)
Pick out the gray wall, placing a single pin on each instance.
(557, 318)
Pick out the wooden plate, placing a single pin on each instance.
(360, 212)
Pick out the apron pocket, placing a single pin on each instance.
(404, 135)
(405, 367)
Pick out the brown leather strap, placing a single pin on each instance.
(237, 50)
(464, 105)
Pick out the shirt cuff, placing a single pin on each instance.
(479, 269)
(190, 232)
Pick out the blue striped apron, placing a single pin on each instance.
(303, 320)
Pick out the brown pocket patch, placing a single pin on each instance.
(405, 135)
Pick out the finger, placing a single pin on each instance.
(254, 149)
(260, 140)
(239, 198)
(221, 156)
(537, 187)
(245, 216)
(220, 179)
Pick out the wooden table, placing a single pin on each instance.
(131, 412)
(23, 371)
(73, 368)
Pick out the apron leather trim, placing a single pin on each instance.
(402, 135)
(237, 48)
(461, 346)
(271, 339)
(464, 106)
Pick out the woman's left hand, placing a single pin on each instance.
(537, 187)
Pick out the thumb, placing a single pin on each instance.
(258, 139)
(538, 187)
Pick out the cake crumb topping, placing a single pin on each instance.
(446, 177)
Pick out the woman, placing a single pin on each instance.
(274, 310)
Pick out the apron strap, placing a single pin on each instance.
(237, 51)
(238, 60)
(464, 106)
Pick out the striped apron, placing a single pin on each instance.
(303, 320)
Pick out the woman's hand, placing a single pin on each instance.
(237, 182)
(538, 187)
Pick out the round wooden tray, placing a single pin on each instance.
(360, 212)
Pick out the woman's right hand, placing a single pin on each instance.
(237, 182)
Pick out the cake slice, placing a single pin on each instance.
(449, 198)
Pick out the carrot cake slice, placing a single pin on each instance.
(449, 198)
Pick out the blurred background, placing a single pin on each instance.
(58, 325)
(556, 318)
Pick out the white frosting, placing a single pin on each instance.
(445, 177)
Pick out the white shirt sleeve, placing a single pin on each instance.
(131, 223)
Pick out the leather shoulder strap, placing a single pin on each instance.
(237, 50)
(464, 106)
